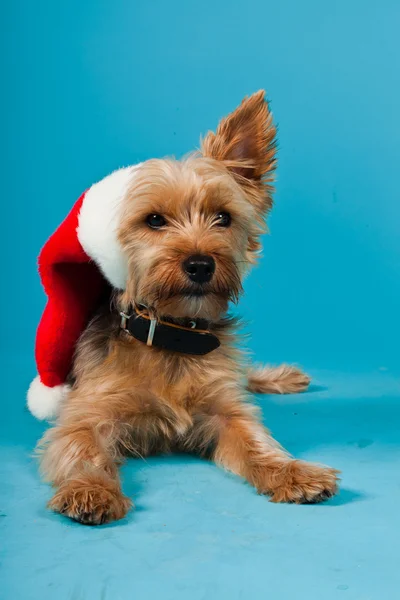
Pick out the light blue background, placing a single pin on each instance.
(90, 86)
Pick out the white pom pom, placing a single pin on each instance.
(45, 402)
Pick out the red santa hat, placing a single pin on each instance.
(77, 266)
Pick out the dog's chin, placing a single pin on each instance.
(194, 303)
(195, 292)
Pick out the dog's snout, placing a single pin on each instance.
(199, 268)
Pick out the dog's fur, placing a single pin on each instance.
(131, 399)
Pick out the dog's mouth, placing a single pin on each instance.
(219, 289)
(195, 292)
(201, 292)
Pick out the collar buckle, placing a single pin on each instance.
(124, 320)
(153, 324)
(152, 328)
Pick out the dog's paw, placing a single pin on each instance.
(90, 503)
(296, 381)
(278, 380)
(305, 483)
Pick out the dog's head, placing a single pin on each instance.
(191, 228)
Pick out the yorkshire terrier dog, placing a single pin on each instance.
(158, 369)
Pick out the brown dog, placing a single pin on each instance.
(190, 231)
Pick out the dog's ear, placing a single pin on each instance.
(245, 141)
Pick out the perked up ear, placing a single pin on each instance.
(246, 141)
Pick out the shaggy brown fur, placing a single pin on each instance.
(131, 399)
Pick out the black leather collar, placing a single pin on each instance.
(170, 335)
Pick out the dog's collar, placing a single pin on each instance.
(171, 336)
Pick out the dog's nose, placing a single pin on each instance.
(199, 268)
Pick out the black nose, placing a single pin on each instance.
(199, 268)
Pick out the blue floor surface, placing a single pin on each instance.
(200, 533)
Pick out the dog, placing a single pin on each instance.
(190, 232)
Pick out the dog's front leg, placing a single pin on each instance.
(242, 445)
(79, 459)
(80, 456)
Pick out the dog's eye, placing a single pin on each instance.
(155, 221)
(223, 219)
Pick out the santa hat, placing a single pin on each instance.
(77, 267)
